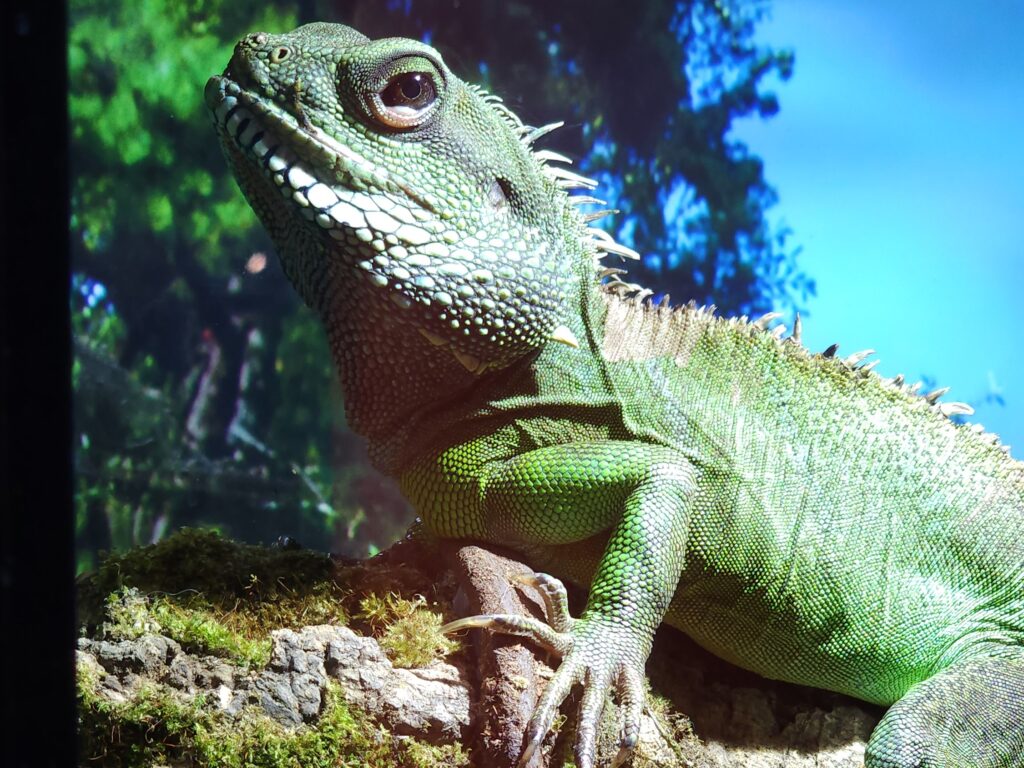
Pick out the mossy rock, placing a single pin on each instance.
(207, 597)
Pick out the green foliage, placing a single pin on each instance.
(95, 321)
(304, 372)
(124, 429)
(161, 231)
(136, 74)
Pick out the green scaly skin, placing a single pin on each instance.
(794, 513)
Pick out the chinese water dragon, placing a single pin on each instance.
(794, 513)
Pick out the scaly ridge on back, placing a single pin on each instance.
(637, 329)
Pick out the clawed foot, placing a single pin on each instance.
(598, 652)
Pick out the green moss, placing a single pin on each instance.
(200, 630)
(216, 597)
(320, 603)
(340, 737)
(146, 728)
(129, 615)
(407, 630)
(225, 573)
(157, 725)
(420, 755)
(192, 623)
(211, 595)
(221, 598)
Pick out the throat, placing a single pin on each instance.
(392, 378)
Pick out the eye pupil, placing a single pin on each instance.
(411, 89)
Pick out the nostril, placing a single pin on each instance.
(279, 54)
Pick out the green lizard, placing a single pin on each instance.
(792, 512)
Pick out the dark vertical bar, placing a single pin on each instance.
(36, 526)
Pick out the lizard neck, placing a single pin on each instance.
(400, 388)
(411, 399)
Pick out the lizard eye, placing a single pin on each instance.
(405, 101)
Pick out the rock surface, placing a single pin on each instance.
(484, 696)
(431, 703)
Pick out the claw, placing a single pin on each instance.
(556, 599)
(522, 626)
(625, 750)
(532, 745)
(592, 654)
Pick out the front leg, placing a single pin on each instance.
(566, 493)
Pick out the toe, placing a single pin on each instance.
(630, 689)
(556, 599)
(547, 709)
(522, 626)
(595, 694)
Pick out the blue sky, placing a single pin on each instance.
(899, 164)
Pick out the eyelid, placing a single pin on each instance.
(404, 117)
(419, 62)
(393, 117)
(401, 117)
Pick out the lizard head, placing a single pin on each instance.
(398, 193)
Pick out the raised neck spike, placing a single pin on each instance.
(856, 357)
(589, 217)
(547, 155)
(763, 321)
(955, 409)
(567, 179)
(563, 335)
(535, 133)
(586, 200)
(606, 243)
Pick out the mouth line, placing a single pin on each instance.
(353, 193)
